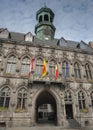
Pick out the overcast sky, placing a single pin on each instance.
(73, 18)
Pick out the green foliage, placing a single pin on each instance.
(85, 110)
(18, 110)
(3, 109)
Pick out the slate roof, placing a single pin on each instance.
(17, 36)
(20, 37)
(74, 44)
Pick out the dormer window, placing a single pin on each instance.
(29, 37)
(4, 33)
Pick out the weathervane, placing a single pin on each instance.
(45, 2)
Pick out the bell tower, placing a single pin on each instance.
(45, 30)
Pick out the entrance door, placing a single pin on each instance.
(69, 111)
(46, 110)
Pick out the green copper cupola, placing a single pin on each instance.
(45, 30)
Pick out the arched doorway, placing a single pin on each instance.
(46, 109)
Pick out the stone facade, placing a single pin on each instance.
(74, 92)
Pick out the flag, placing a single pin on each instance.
(44, 72)
(31, 66)
(56, 71)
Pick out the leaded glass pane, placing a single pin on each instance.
(81, 100)
(88, 71)
(38, 68)
(11, 65)
(5, 97)
(68, 96)
(65, 69)
(52, 68)
(25, 67)
(77, 71)
(22, 99)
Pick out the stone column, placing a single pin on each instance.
(18, 66)
(71, 71)
(82, 70)
(61, 111)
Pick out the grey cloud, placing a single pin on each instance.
(73, 18)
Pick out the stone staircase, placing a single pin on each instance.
(73, 125)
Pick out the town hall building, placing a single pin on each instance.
(63, 96)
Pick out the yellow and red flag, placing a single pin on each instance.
(56, 71)
(44, 72)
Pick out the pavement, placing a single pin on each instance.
(39, 128)
(47, 127)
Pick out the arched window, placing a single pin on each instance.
(77, 70)
(40, 18)
(38, 68)
(5, 97)
(11, 65)
(22, 99)
(46, 17)
(51, 19)
(25, 66)
(68, 96)
(88, 71)
(81, 100)
(91, 95)
(52, 64)
(65, 69)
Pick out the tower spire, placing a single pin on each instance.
(45, 29)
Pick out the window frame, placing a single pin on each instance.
(65, 69)
(11, 64)
(38, 66)
(88, 71)
(77, 70)
(5, 97)
(25, 65)
(68, 96)
(22, 99)
(52, 65)
(81, 100)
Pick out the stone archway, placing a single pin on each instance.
(46, 108)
